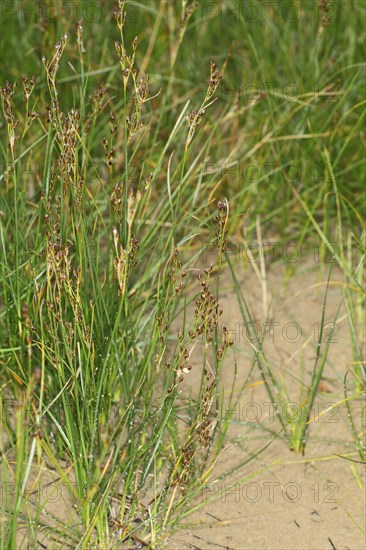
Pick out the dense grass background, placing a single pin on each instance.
(100, 229)
(286, 74)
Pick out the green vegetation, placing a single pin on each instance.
(122, 159)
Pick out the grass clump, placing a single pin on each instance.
(116, 157)
(92, 278)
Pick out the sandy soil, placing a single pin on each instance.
(279, 499)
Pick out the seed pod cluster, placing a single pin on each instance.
(6, 95)
(194, 117)
(207, 310)
(185, 18)
(221, 219)
(324, 11)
